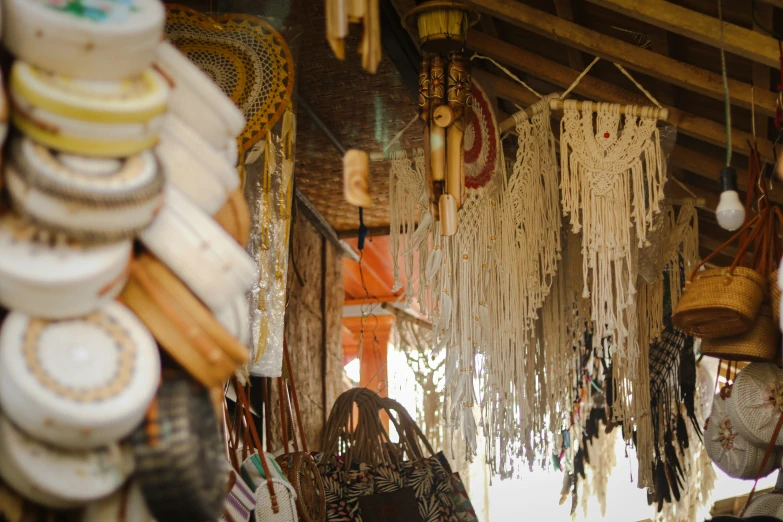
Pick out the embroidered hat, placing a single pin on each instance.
(78, 383)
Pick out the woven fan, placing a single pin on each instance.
(481, 140)
(245, 56)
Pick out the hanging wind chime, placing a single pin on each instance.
(445, 101)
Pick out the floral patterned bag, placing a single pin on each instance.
(359, 460)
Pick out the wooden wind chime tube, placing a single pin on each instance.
(444, 107)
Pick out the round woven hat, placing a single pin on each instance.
(769, 504)
(180, 459)
(729, 451)
(482, 151)
(756, 403)
(245, 56)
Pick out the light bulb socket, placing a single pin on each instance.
(728, 179)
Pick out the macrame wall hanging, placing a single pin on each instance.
(252, 63)
(613, 173)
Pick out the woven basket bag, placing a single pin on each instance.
(732, 453)
(180, 460)
(760, 344)
(756, 403)
(723, 302)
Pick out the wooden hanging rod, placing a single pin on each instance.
(659, 114)
(557, 105)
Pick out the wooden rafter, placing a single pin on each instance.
(648, 62)
(775, 3)
(760, 70)
(697, 26)
(565, 10)
(590, 87)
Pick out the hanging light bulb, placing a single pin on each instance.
(730, 212)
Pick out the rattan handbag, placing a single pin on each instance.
(723, 302)
(298, 466)
(760, 344)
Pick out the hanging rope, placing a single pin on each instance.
(509, 73)
(726, 99)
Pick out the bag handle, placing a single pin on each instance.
(412, 432)
(740, 253)
(361, 437)
(231, 444)
(287, 391)
(249, 422)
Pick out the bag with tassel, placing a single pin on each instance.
(367, 477)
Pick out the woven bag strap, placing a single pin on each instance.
(743, 248)
(231, 444)
(294, 396)
(242, 396)
(767, 455)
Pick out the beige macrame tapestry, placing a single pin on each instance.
(530, 228)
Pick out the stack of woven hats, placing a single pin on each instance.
(122, 253)
(742, 435)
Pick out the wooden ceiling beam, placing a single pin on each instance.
(648, 62)
(761, 72)
(774, 3)
(593, 88)
(565, 10)
(703, 28)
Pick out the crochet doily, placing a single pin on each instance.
(245, 56)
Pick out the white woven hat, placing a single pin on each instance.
(91, 199)
(199, 252)
(90, 118)
(98, 40)
(195, 167)
(197, 100)
(78, 383)
(127, 504)
(43, 276)
(756, 403)
(59, 478)
(769, 504)
(235, 318)
(732, 453)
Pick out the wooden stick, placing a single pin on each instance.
(660, 114)
(438, 152)
(455, 152)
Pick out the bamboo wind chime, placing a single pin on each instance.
(445, 99)
(340, 14)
